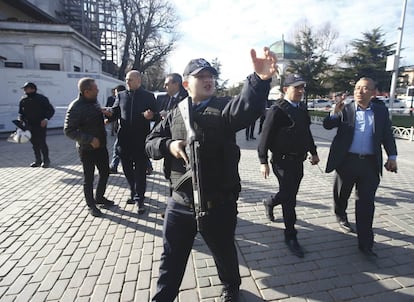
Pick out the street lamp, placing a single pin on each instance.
(393, 61)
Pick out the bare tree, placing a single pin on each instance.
(150, 33)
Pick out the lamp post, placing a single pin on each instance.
(396, 59)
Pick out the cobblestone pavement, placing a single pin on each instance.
(51, 249)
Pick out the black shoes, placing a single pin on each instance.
(149, 171)
(105, 202)
(94, 211)
(295, 247)
(113, 170)
(139, 202)
(252, 137)
(141, 207)
(230, 295)
(344, 224)
(46, 164)
(368, 252)
(269, 205)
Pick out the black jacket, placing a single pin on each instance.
(286, 130)
(35, 107)
(218, 122)
(345, 134)
(162, 100)
(84, 121)
(133, 126)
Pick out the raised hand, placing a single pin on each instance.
(264, 67)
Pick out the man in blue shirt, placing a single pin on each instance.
(356, 156)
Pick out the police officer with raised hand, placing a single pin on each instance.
(216, 121)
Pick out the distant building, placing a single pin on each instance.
(285, 53)
(54, 43)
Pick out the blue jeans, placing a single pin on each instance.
(115, 157)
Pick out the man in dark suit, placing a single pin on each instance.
(134, 108)
(356, 155)
(175, 93)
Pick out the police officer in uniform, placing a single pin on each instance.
(216, 121)
(287, 135)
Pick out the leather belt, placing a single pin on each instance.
(361, 156)
(293, 156)
(210, 203)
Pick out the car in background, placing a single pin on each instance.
(320, 104)
(398, 106)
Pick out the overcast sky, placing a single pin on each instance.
(228, 29)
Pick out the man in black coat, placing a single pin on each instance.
(356, 156)
(286, 133)
(84, 123)
(134, 108)
(35, 110)
(216, 122)
(175, 93)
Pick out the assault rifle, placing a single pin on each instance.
(193, 152)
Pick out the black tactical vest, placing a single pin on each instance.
(294, 138)
(219, 153)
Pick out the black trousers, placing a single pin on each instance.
(90, 159)
(135, 172)
(289, 173)
(39, 145)
(361, 172)
(250, 130)
(179, 231)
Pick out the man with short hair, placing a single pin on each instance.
(175, 93)
(84, 123)
(35, 110)
(286, 133)
(356, 156)
(135, 108)
(216, 122)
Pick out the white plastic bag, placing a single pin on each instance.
(20, 136)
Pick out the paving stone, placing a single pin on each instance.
(18, 285)
(116, 284)
(51, 249)
(87, 286)
(58, 290)
(27, 293)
